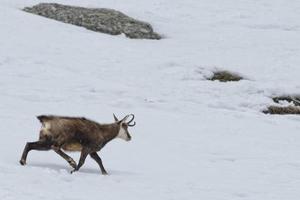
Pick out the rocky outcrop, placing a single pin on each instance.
(96, 19)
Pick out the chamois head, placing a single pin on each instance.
(123, 131)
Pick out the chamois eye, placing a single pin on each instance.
(124, 125)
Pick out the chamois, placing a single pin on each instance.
(77, 134)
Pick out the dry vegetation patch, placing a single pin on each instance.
(225, 76)
(291, 99)
(294, 108)
(287, 110)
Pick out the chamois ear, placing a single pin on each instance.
(116, 119)
(124, 119)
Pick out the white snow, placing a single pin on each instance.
(194, 139)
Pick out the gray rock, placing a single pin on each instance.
(96, 19)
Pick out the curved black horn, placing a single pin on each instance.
(131, 118)
(128, 123)
(131, 124)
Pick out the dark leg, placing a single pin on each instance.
(97, 158)
(64, 156)
(84, 152)
(39, 145)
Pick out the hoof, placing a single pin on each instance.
(72, 163)
(22, 162)
(104, 173)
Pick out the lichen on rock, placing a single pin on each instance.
(96, 19)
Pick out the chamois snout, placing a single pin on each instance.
(123, 132)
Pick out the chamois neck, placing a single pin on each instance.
(109, 131)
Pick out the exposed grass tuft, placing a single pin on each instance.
(293, 99)
(287, 110)
(225, 76)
